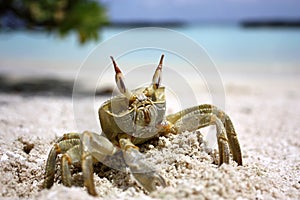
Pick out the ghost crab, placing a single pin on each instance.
(130, 119)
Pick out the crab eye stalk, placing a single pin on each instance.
(120, 80)
(157, 74)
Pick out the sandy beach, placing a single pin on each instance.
(265, 113)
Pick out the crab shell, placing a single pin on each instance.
(119, 116)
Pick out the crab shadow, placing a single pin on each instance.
(44, 87)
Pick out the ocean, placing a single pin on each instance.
(231, 48)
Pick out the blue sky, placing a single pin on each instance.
(201, 10)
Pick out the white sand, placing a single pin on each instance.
(266, 117)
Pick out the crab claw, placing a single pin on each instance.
(142, 171)
(120, 80)
(149, 180)
(157, 74)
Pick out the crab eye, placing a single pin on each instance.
(157, 74)
(120, 80)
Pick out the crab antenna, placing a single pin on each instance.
(157, 74)
(120, 80)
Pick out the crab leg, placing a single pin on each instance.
(204, 115)
(145, 175)
(68, 136)
(120, 80)
(61, 147)
(72, 156)
(88, 172)
(97, 147)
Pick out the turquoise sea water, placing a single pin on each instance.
(232, 49)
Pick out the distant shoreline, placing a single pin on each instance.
(271, 24)
(245, 24)
(147, 24)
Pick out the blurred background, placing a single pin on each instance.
(43, 43)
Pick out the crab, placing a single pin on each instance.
(130, 119)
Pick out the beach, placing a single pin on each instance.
(241, 56)
(265, 113)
